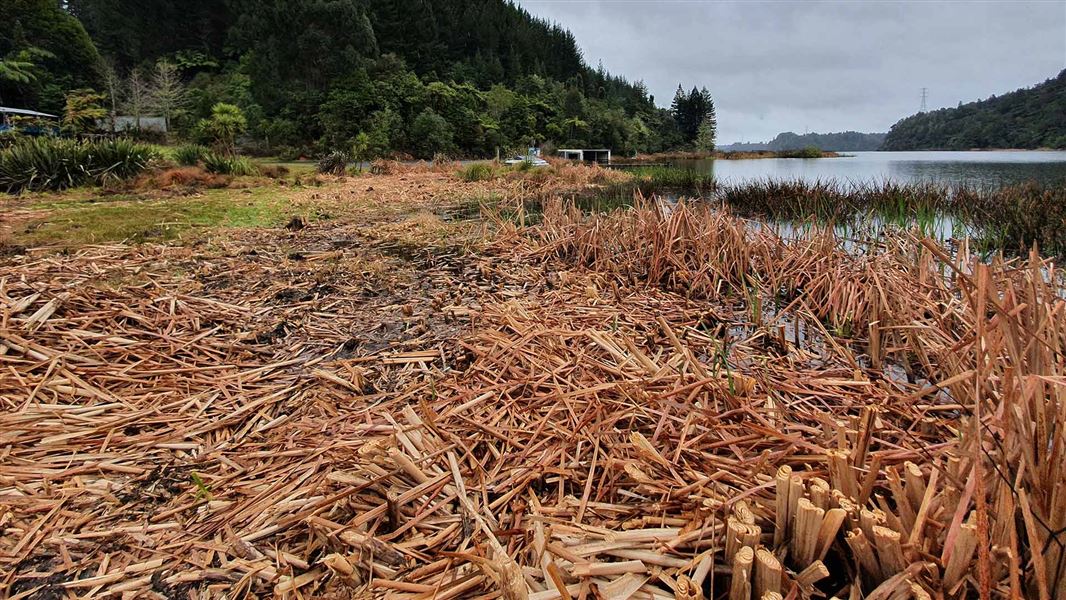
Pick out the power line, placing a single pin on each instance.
(925, 96)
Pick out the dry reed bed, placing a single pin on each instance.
(401, 187)
(985, 342)
(627, 424)
(157, 399)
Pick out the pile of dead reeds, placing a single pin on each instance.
(983, 344)
(653, 403)
(164, 434)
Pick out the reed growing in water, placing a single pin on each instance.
(972, 485)
(689, 181)
(1011, 218)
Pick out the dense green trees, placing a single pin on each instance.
(691, 110)
(1027, 118)
(431, 134)
(496, 76)
(47, 53)
(18, 68)
(372, 77)
(845, 141)
(133, 33)
(477, 41)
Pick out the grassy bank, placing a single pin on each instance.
(74, 220)
(651, 180)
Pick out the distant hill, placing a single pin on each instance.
(845, 141)
(1027, 118)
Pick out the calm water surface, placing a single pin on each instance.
(992, 168)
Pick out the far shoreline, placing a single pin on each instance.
(808, 153)
(803, 154)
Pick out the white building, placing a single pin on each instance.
(593, 155)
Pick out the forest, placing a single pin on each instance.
(1028, 118)
(845, 141)
(461, 78)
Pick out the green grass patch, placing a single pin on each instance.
(656, 178)
(480, 171)
(73, 223)
(487, 171)
(296, 167)
(228, 165)
(808, 152)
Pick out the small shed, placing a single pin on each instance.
(130, 123)
(10, 119)
(590, 155)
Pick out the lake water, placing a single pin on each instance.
(992, 168)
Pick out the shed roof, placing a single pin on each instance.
(24, 112)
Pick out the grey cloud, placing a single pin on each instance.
(825, 66)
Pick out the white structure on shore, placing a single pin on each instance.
(592, 155)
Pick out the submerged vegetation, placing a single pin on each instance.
(1011, 219)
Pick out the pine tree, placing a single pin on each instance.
(690, 111)
(706, 104)
(680, 110)
(705, 135)
(694, 115)
(677, 107)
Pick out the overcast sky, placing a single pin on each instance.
(796, 66)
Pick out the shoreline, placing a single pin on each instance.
(738, 155)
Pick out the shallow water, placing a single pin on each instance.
(867, 229)
(992, 168)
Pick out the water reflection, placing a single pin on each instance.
(971, 168)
